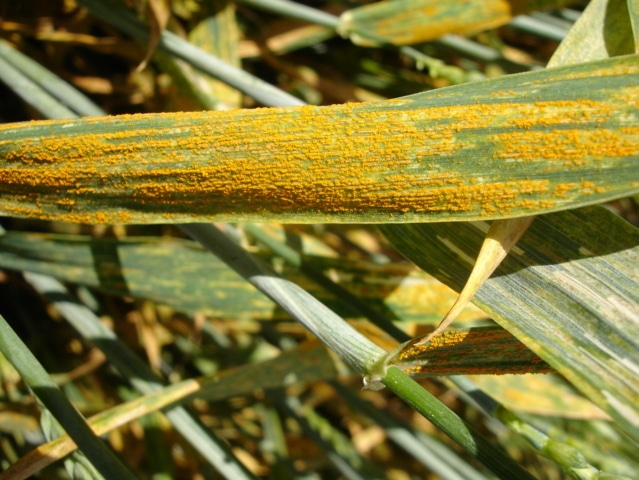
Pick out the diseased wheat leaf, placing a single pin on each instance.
(485, 350)
(513, 146)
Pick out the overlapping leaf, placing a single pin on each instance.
(178, 273)
(568, 291)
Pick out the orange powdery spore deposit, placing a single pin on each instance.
(568, 146)
(494, 351)
(335, 166)
(610, 69)
(453, 338)
(573, 112)
(335, 163)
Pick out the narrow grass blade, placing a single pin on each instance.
(297, 10)
(54, 400)
(539, 27)
(513, 146)
(405, 22)
(307, 363)
(447, 421)
(171, 43)
(567, 291)
(32, 93)
(53, 84)
(471, 49)
(216, 451)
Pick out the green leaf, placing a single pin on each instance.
(446, 420)
(181, 274)
(513, 146)
(602, 31)
(567, 290)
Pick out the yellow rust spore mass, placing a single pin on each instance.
(479, 351)
(406, 160)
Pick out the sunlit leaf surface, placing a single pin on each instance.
(518, 145)
(568, 290)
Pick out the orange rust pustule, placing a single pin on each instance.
(390, 161)
(480, 351)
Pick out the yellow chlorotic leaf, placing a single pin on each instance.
(404, 22)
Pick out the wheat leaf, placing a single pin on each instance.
(404, 22)
(514, 146)
(568, 291)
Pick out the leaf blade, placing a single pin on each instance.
(404, 22)
(568, 291)
(503, 148)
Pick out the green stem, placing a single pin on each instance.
(443, 418)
